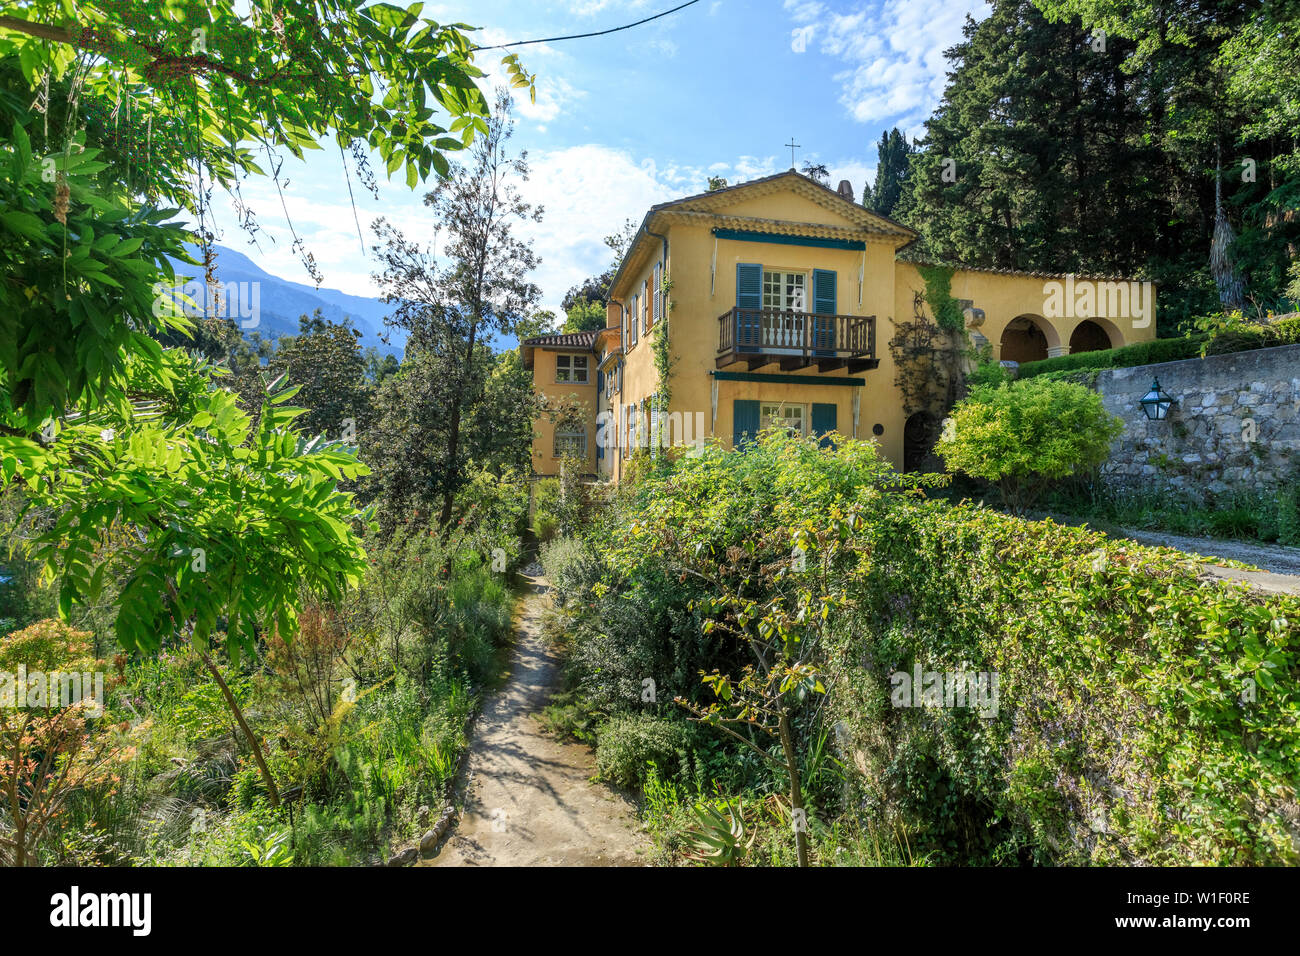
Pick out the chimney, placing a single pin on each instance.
(846, 189)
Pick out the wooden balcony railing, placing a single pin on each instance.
(795, 339)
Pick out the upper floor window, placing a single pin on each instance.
(571, 368)
(633, 318)
(657, 297)
(785, 290)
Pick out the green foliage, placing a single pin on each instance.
(571, 568)
(546, 503)
(719, 837)
(326, 359)
(1144, 715)
(264, 87)
(997, 184)
(1128, 688)
(584, 315)
(80, 264)
(1024, 435)
(238, 555)
(893, 160)
(627, 746)
(1243, 337)
(988, 373)
(938, 296)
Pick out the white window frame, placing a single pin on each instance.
(572, 369)
(766, 418)
(793, 295)
(569, 433)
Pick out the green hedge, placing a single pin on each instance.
(1139, 353)
(1121, 736)
(1285, 332)
(1240, 339)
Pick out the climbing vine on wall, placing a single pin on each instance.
(927, 362)
(938, 296)
(663, 357)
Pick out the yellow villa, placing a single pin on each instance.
(781, 300)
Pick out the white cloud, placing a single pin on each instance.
(895, 69)
(587, 192)
(555, 94)
(587, 8)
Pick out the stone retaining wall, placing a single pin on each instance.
(1236, 425)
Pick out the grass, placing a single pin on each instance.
(1264, 517)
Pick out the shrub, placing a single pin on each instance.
(1241, 338)
(51, 749)
(1218, 338)
(571, 567)
(546, 502)
(1142, 711)
(1139, 353)
(1144, 716)
(1025, 435)
(627, 747)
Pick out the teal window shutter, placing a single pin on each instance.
(749, 286)
(824, 291)
(749, 300)
(744, 421)
(823, 421)
(658, 293)
(823, 331)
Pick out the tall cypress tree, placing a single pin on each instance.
(894, 155)
(1093, 144)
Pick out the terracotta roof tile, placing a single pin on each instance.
(580, 340)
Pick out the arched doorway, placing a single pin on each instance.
(1027, 338)
(919, 435)
(1089, 336)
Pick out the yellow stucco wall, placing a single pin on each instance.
(694, 324)
(544, 460)
(700, 294)
(1007, 297)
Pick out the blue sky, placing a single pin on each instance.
(646, 115)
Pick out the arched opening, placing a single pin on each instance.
(1089, 336)
(919, 435)
(1029, 338)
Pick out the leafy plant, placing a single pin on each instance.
(270, 849)
(719, 837)
(1025, 435)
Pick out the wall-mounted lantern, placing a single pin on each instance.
(1156, 403)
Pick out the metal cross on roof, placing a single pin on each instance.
(793, 146)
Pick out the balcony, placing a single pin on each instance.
(793, 340)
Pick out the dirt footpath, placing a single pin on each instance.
(529, 800)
